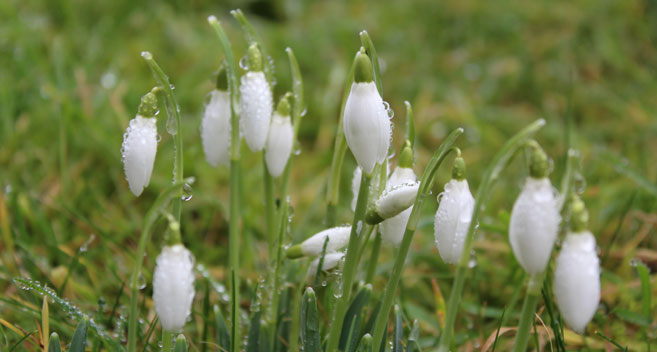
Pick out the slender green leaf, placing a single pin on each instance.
(54, 345)
(352, 317)
(397, 332)
(222, 335)
(254, 333)
(412, 343)
(79, 341)
(181, 344)
(310, 322)
(644, 277)
(365, 344)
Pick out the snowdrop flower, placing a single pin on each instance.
(173, 286)
(216, 127)
(338, 237)
(577, 280)
(366, 123)
(280, 139)
(140, 145)
(392, 229)
(453, 215)
(535, 218)
(355, 186)
(331, 260)
(256, 102)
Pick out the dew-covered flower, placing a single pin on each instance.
(401, 184)
(338, 237)
(331, 260)
(366, 122)
(453, 219)
(173, 286)
(534, 224)
(256, 103)
(280, 139)
(577, 280)
(216, 128)
(140, 145)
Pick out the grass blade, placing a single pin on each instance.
(54, 345)
(397, 332)
(79, 341)
(352, 317)
(310, 322)
(181, 344)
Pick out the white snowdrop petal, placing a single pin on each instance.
(355, 186)
(138, 152)
(577, 280)
(256, 108)
(366, 125)
(396, 199)
(392, 229)
(173, 286)
(331, 260)
(534, 224)
(279, 144)
(338, 239)
(453, 219)
(216, 128)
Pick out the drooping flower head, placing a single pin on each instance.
(216, 127)
(256, 102)
(331, 260)
(280, 139)
(454, 215)
(392, 229)
(366, 123)
(173, 286)
(577, 272)
(535, 217)
(140, 145)
(338, 237)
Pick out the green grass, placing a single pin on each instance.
(71, 76)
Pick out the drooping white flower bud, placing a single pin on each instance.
(338, 237)
(173, 286)
(140, 144)
(256, 107)
(392, 229)
(577, 280)
(534, 224)
(216, 128)
(280, 139)
(396, 199)
(331, 260)
(366, 123)
(453, 219)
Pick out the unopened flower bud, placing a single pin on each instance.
(331, 260)
(280, 139)
(534, 224)
(338, 237)
(396, 199)
(140, 145)
(577, 280)
(173, 286)
(256, 104)
(392, 229)
(216, 128)
(453, 219)
(366, 123)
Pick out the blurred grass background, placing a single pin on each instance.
(71, 77)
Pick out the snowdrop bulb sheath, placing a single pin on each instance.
(216, 128)
(256, 108)
(534, 224)
(392, 229)
(279, 144)
(366, 122)
(577, 280)
(138, 152)
(173, 286)
(453, 219)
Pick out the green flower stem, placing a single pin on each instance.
(425, 186)
(492, 173)
(173, 110)
(151, 216)
(350, 264)
(374, 258)
(233, 234)
(252, 37)
(167, 338)
(270, 208)
(273, 306)
(528, 308)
